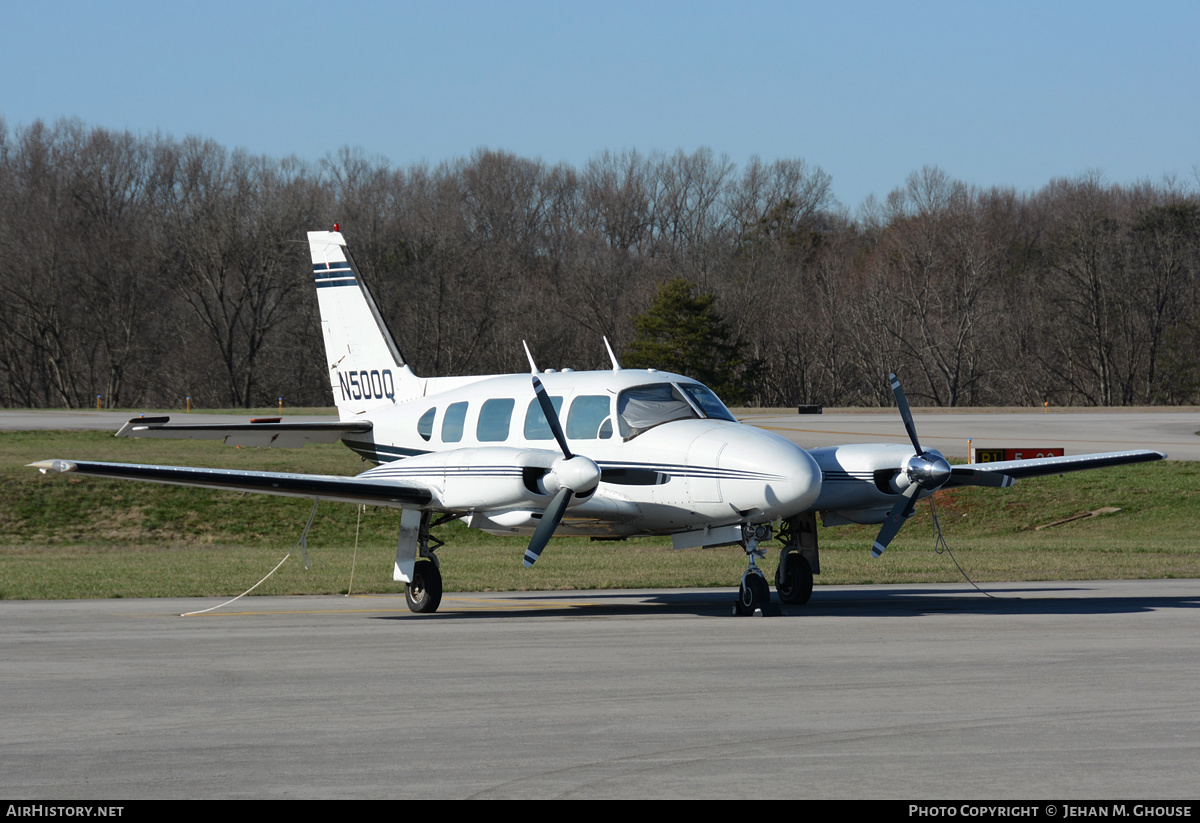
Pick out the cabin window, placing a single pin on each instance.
(537, 427)
(587, 415)
(452, 423)
(710, 405)
(644, 407)
(494, 420)
(425, 424)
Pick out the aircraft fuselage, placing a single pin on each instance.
(672, 457)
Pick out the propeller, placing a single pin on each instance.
(572, 474)
(925, 471)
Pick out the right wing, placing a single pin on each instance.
(320, 486)
(267, 433)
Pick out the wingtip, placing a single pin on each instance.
(54, 465)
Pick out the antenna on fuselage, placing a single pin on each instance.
(532, 366)
(611, 356)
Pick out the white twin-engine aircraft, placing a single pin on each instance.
(607, 454)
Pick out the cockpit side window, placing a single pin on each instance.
(494, 420)
(587, 416)
(710, 405)
(452, 423)
(536, 425)
(644, 407)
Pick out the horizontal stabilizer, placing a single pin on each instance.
(280, 435)
(323, 486)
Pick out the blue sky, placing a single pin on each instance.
(1007, 93)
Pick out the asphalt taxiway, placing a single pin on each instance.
(1063, 690)
(1077, 431)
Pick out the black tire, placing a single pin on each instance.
(424, 593)
(793, 581)
(753, 594)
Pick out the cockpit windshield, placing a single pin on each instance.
(644, 407)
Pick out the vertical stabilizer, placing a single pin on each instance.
(366, 369)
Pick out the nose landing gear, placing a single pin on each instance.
(754, 593)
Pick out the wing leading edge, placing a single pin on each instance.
(323, 486)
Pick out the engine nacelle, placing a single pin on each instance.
(489, 478)
(866, 476)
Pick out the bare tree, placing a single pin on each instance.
(234, 221)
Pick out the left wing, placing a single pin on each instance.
(269, 432)
(376, 492)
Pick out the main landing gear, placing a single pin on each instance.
(793, 579)
(798, 561)
(423, 588)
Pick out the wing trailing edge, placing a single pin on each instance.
(270, 433)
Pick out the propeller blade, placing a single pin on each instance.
(895, 519)
(551, 417)
(577, 475)
(926, 471)
(545, 530)
(978, 477)
(905, 414)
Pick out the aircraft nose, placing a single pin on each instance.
(767, 472)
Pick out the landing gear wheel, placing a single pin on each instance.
(753, 594)
(793, 579)
(424, 593)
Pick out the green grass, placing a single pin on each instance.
(75, 537)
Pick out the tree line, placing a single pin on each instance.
(145, 270)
